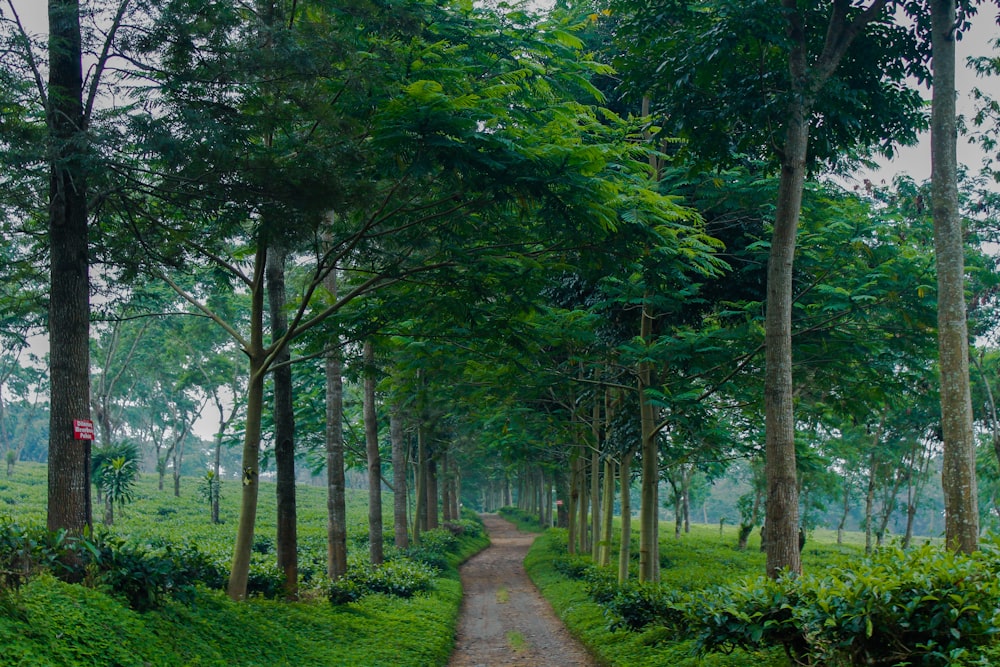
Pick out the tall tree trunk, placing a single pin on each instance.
(286, 539)
(595, 480)
(649, 533)
(445, 489)
(846, 511)
(399, 523)
(420, 485)
(782, 508)
(958, 476)
(583, 530)
(625, 548)
(69, 503)
(240, 571)
(217, 462)
(250, 470)
(374, 459)
(432, 491)
(808, 75)
(870, 502)
(574, 500)
(336, 507)
(607, 511)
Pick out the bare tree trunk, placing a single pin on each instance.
(958, 476)
(846, 511)
(420, 485)
(69, 502)
(432, 492)
(240, 571)
(400, 528)
(608, 503)
(336, 509)
(782, 490)
(649, 534)
(625, 548)
(374, 459)
(584, 527)
(284, 427)
(574, 500)
(870, 502)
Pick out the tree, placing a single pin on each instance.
(69, 295)
(959, 473)
(763, 73)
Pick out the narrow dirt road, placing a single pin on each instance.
(504, 621)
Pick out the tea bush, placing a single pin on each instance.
(926, 606)
(400, 578)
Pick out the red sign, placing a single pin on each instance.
(83, 429)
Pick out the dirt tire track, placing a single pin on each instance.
(504, 621)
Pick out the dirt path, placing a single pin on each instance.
(504, 621)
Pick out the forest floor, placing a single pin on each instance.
(504, 621)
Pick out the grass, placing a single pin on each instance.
(48, 622)
(516, 641)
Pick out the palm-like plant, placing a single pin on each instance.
(116, 470)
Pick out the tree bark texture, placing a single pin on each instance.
(336, 506)
(782, 508)
(250, 466)
(286, 539)
(69, 502)
(649, 525)
(399, 522)
(625, 547)
(958, 475)
(374, 459)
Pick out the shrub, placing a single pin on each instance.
(926, 606)
(142, 577)
(25, 552)
(636, 605)
(400, 578)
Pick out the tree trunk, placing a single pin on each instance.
(374, 459)
(69, 502)
(845, 513)
(445, 489)
(607, 511)
(217, 462)
(432, 491)
(399, 522)
(574, 500)
(336, 508)
(870, 502)
(583, 530)
(649, 534)
(625, 548)
(595, 480)
(958, 476)
(782, 509)
(286, 539)
(250, 471)
(420, 485)
(240, 571)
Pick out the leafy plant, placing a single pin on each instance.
(927, 606)
(400, 578)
